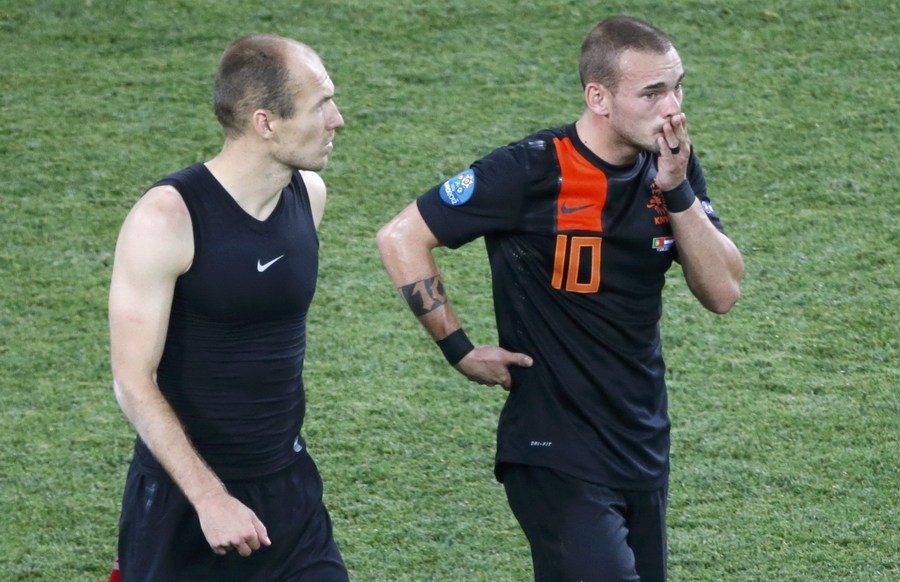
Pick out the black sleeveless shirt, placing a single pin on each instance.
(233, 358)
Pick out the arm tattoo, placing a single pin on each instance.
(424, 296)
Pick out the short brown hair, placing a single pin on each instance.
(253, 74)
(602, 47)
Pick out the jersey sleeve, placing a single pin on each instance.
(698, 185)
(485, 198)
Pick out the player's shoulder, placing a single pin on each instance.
(316, 192)
(314, 183)
(533, 154)
(537, 142)
(160, 210)
(523, 151)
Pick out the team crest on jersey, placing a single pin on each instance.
(658, 203)
(459, 189)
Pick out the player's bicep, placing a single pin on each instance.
(153, 249)
(406, 244)
(138, 318)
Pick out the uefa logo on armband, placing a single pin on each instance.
(459, 189)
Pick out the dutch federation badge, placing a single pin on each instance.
(459, 189)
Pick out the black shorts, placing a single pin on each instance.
(160, 537)
(587, 532)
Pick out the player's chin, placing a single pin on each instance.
(326, 153)
(653, 146)
(318, 167)
(318, 162)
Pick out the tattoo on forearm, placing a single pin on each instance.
(424, 296)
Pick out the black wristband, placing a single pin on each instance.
(455, 346)
(679, 198)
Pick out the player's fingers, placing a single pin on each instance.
(261, 532)
(681, 132)
(669, 136)
(664, 148)
(522, 360)
(505, 381)
(244, 549)
(492, 375)
(253, 542)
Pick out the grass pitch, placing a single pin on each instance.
(785, 412)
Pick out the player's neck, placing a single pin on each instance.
(596, 135)
(252, 178)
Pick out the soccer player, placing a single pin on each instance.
(214, 271)
(581, 223)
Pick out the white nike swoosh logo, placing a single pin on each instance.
(261, 267)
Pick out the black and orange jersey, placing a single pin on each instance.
(578, 250)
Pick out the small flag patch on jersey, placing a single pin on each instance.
(663, 243)
(459, 189)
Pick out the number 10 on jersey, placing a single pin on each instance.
(576, 263)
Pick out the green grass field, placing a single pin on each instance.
(786, 412)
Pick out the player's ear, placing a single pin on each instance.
(262, 122)
(596, 98)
